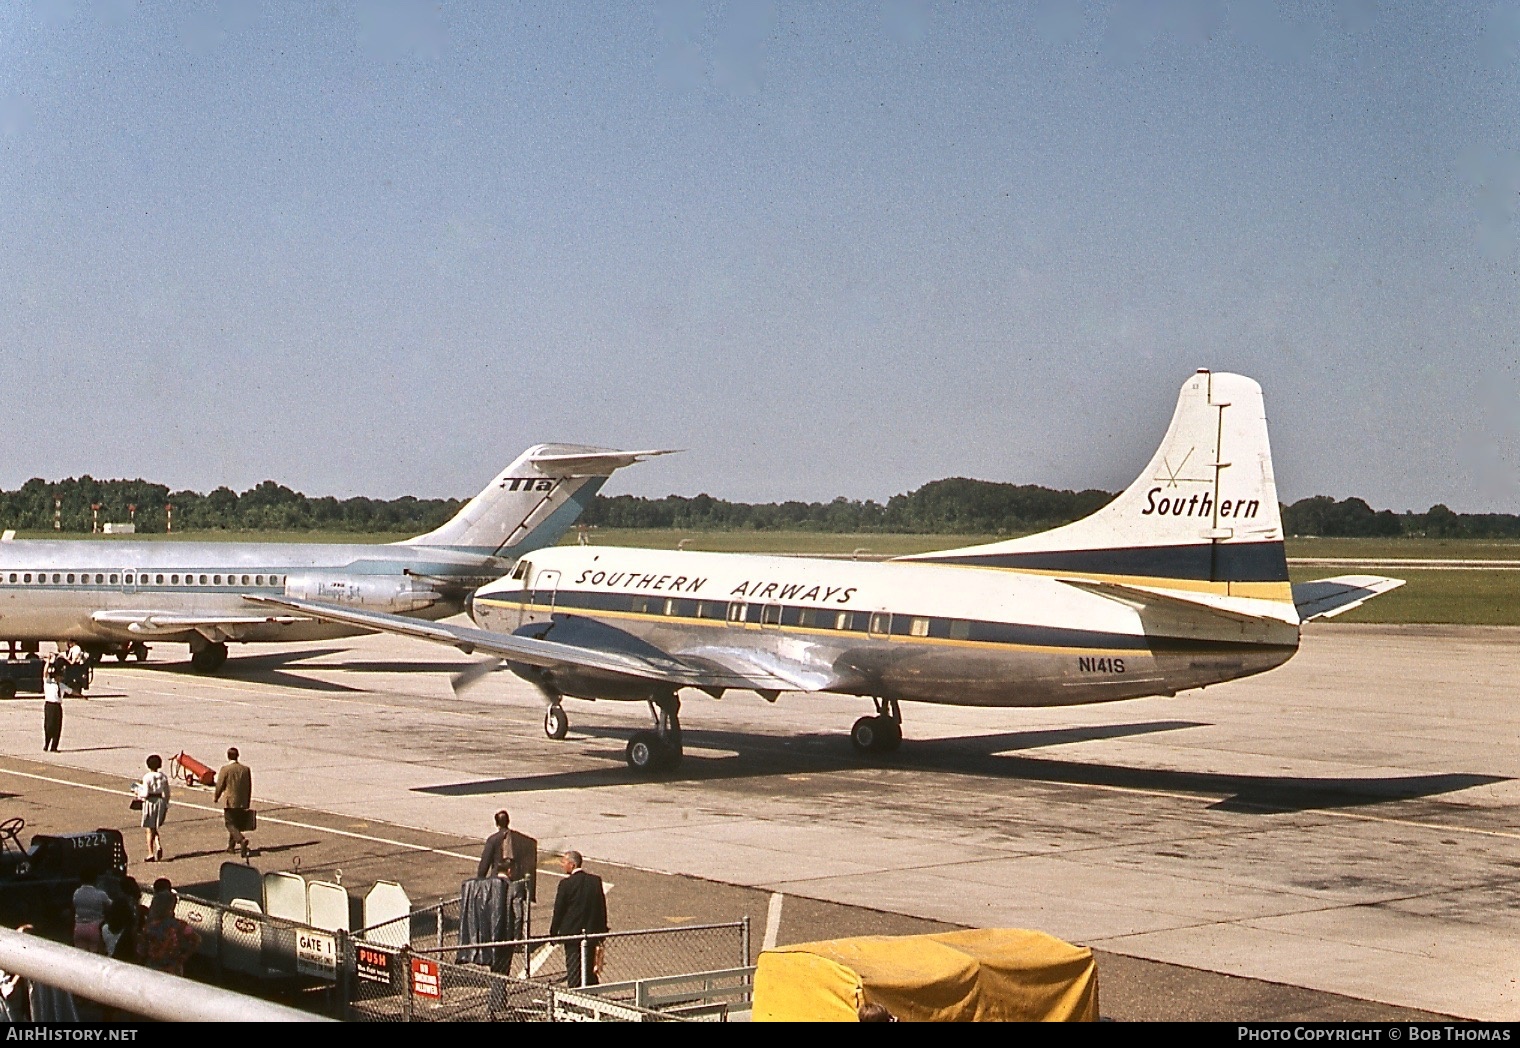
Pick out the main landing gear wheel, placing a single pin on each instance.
(660, 749)
(208, 659)
(646, 753)
(881, 733)
(556, 722)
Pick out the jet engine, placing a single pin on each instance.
(372, 592)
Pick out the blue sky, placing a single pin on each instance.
(830, 249)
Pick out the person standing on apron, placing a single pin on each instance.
(153, 791)
(52, 705)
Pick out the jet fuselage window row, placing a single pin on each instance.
(59, 578)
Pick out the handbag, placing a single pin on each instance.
(248, 819)
(135, 804)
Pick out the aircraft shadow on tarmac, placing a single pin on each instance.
(276, 668)
(761, 757)
(267, 668)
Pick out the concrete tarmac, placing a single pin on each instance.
(1337, 838)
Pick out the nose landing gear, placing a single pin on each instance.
(881, 733)
(556, 721)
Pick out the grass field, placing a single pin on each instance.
(1469, 597)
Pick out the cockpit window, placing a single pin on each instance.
(521, 571)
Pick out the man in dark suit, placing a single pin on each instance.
(580, 906)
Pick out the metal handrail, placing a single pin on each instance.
(541, 940)
(140, 991)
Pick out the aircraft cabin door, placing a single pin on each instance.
(545, 590)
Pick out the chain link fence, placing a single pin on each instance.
(411, 969)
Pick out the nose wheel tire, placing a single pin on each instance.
(556, 722)
(876, 735)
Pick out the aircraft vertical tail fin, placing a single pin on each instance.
(1203, 515)
(532, 502)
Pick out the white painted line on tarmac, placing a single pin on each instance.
(540, 958)
(772, 921)
(606, 886)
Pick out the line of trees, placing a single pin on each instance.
(267, 507)
(952, 506)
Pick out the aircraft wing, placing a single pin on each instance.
(1326, 598)
(709, 669)
(150, 623)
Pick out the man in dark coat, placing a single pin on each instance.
(580, 906)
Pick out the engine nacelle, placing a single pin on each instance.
(372, 592)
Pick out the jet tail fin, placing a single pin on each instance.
(532, 502)
(1327, 598)
(1202, 516)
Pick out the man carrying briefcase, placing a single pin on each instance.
(234, 788)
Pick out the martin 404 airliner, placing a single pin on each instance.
(113, 597)
(1180, 582)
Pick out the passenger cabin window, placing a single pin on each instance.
(881, 622)
(736, 612)
(770, 615)
(259, 581)
(27, 577)
(203, 580)
(711, 609)
(56, 578)
(919, 628)
(245, 580)
(159, 579)
(960, 629)
(216, 579)
(115, 579)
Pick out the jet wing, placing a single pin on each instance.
(151, 623)
(711, 669)
(1326, 598)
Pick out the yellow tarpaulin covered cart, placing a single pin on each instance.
(982, 974)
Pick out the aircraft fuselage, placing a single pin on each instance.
(894, 630)
(109, 591)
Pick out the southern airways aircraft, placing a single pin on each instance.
(113, 597)
(1180, 582)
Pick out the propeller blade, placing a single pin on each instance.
(473, 674)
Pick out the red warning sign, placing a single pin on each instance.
(425, 978)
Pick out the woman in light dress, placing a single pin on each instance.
(153, 791)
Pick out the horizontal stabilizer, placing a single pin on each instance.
(1241, 610)
(590, 463)
(1327, 598)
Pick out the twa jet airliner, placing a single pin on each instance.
(1179, 583)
